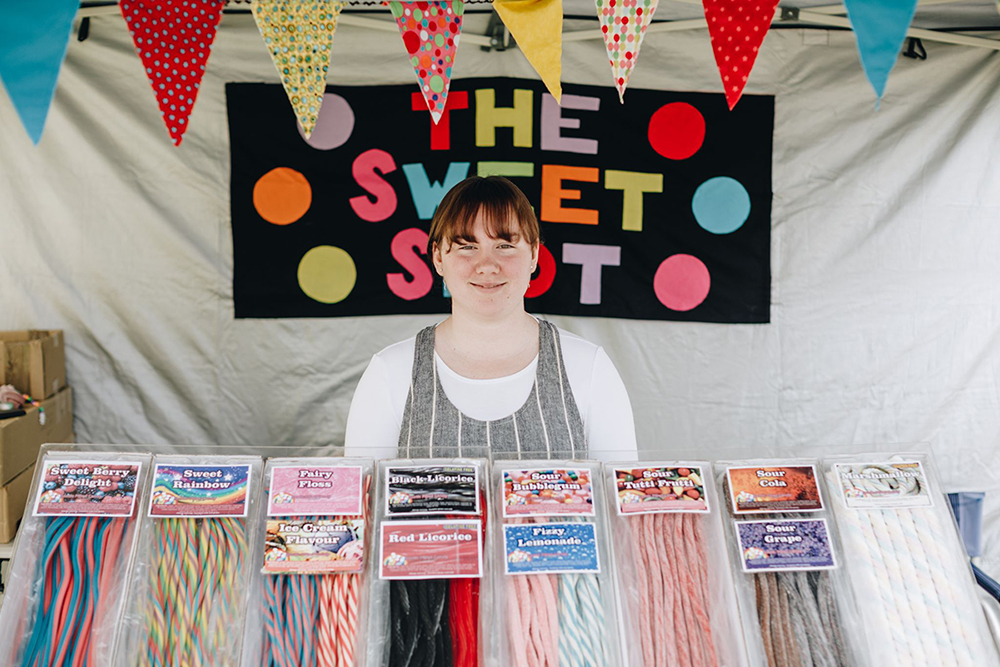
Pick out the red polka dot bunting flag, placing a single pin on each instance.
(299, 35)
(430, 33)
(173, 39)
(624, 23)
(737, 28)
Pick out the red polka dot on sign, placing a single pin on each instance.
(676, 130)
(682, 282)
(173, 39)
(755, 17)
(412, 42)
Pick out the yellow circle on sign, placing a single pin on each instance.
(327, 274)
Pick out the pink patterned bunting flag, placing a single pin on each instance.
(624, 23)
(737, 28)
(430, 33)
(173, 39)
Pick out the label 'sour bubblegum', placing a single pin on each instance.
(547, 492)
(883, 485)
(674, 488)
(429, 549)
(550, 548)
(199, 490)
(762, 489)
(315, 490)
(793, 544)
(448, 489)
(314, 545)
(87, 488)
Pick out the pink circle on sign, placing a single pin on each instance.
(682, 282)
(334, 124)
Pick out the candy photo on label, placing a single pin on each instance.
(764, 489)
(792, 544)
(416, 490)
(675, 488)
(87, 488)
(547, 492)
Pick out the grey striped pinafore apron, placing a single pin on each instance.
(547, 426)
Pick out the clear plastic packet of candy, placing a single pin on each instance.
(69, 575)
(675, 586)
(430, 598)
(556, 601)
(796, 605)
(905, 562)
(191, 579)
(308, 602)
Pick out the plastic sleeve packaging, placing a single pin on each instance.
(675, 585)
(906, 563)
(556, 597)
(429, 599)
(793, 613)
(192, 573)
(308, 604)
(69, 575)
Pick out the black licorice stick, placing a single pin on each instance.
(420, 636)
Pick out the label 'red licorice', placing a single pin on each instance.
(883, 485)
(416, 490)
(792, 544)
(547, 492)
(761, 489)
(428, 549)
(314, 545)
(550, 548)
(87, 488)
(675, 488)
(319, 490)
(199, 490)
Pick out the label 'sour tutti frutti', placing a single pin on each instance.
(427, 549)
(883, 485)
(314, 545)
(673, 488)
(547, 492)
(87, 488)
(550, 548)
(318, 490)
(199, 490)
(765, 489)
(442, 489)
(791, 544)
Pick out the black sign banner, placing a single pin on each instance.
(657, 209)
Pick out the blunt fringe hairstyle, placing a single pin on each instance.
(506, 210)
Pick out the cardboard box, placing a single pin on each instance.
(13, 498)
(33, 361)
(21, 437)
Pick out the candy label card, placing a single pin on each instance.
(764, 489)
(87, 488)
(547, 492)
(199, 490)
(431, 549)
(885, 485)
(676, 488)
(315, 490)
(550, 548)
(417, 490)
(314, 546)
(792, 544)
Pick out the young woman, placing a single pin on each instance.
(490, 380)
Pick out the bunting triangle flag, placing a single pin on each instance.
(737, 28)
(33, 41)
(880, 27)
(624, 23)
(430, 33)
(299, 36)
(173, 39)
(537, 28)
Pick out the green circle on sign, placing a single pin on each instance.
(397, 9)
(439, 39)
(458, 7)
(418, 15)
(436, 83)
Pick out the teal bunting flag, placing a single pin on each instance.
(880, 27)
(33, 40)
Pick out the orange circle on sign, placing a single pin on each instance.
(282, 196)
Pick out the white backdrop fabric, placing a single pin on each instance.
(885, 310)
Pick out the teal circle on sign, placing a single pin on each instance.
(721, 205)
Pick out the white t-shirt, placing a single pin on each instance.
(376, 415)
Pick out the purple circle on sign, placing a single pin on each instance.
(334, 124)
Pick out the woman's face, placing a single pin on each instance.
(486, 275)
